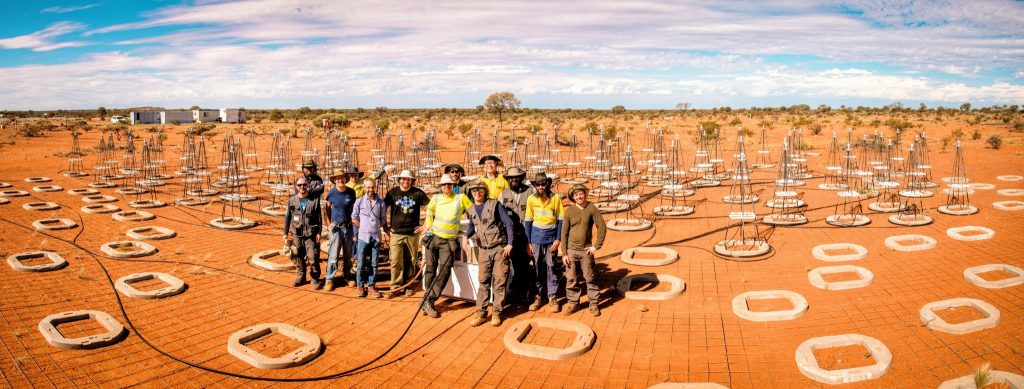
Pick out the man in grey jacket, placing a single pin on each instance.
(303, 224)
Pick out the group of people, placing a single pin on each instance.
(526, 240)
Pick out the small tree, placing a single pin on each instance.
(337, 120)
(276, 115)
(102, 112)
(682, 106)
(618, 109)
(502, 102)
(965, 107)
(995, 141)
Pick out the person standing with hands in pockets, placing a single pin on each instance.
(490, 229)
(578, 249)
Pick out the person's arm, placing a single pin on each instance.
(564, 236)
(421, 200)
(316, 188)
(328, 207)
(601, 228)
(528, 220)
(505, 219)
(356, 211)
(287, 218)
(471, 230)
(430, 213)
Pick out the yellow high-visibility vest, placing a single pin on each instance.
(356, 186)
(444, 213)
(495, 185)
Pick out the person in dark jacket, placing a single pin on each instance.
(302, 224)
(490, 229)
(522, 272)
(315, 182)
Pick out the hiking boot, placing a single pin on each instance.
(375, 292)
(318, 285)
(595, 310)
(428, 310)
(553, 306)
(570, 308)
(409, 292)
(496, 319)
(478, 320)
(333, 285)
(536, 304)
(362, 292)
(299, 282)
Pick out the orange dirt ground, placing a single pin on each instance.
(694, 337)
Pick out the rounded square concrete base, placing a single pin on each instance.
(933, 321)
(115, 331)
(54, 224)
(41, 206)
(971, 275)
(56, 261)
(808, 364)
(127, 249)
(892, 242)
(582, 342)
(1010, 192)
(100, 208)
(815, 277)
(174, 285)
(151, 233)
(47, 188)
(625, 284)
(99, 199)
(311, 346)
(741, 309)
(1011, 380)
(1011, 205)
(262, 260)
(727, 248)
(38, 179)
(958, 233)
(669, 256)
(132, 216)
(232, 223)
(83, 191)
(13, 193)
(629, 224)
(821, 252)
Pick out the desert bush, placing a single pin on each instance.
(202, 128)
(957, 133)
(995, 141)
(946, 142)
(976, 134)
(735, 122)
(815, 128)
(333, 120)
(1017, 126)
(533, 128)
(465, 128)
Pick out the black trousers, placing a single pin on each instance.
(308, 254)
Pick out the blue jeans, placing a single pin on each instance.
(340, 246)
(362, 249)
(547, 266)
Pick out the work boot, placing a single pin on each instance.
(409, 292)
(478, 320)
(428, 309)
(333, 285)
(376, 294)
(570, 308)
(496, 319)
(318, 285)
(595, 310)
(362, 292)
(299, 281)
(536, 303)
(553, 305)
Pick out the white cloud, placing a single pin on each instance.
(62, 10)
(43, 40)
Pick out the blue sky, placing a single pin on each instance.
(575, 54)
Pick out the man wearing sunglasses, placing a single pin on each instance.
(302, 222)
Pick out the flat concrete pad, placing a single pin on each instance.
(311, 346)
(1011, 205)
(54, 224)
(83, 191)
(887, 206)
(274, 210)
(672, 210)
(927, 242)
(192, 202)
(910, 220)
(582, 342)
(174, 285)
(262, 260)
(143, 204)
(629, 224)
(821, 252)
(115, 331)
(738, 199)
(151, 233)
(47, 188)
(741, 309)
(133, 216)
(981, 186)
(728, 248)
(848, 220)
(56, 261)
(668, 256)
(784, 219)
(1011, 380)
(808, 364)
(102, 185)
(971, 275)
(41, 206)
(816, 279)
(127, 249)
(1010, 192)
(625, 284)
(99, 199)
(958, 210)
(233, 223)
(100, 208)
(933, 321)
(1010, 178)
(970, 233)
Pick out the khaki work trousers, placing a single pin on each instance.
(493, 272)
(402, 253)
(580, 261)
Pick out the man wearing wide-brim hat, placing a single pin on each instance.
(354, 176)
(490, 230)
(339, 205)
(404, 203)
(513, 199)
(544, 218)
(315, 182)
(495, 182)
(456, 171)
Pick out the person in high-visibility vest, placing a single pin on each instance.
(496, 183)
(441, 241)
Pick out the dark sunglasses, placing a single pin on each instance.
(301, 185)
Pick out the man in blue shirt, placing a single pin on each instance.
(490, 229)
(369, 215)
(340, 201)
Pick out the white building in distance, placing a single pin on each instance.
(180, 116)
(232, 115)
(205, 115)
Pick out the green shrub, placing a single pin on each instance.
(995, 141)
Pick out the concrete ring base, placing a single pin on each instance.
(672, 210)
(127, 249)
(203, 192)
(848, 220)
(1010, 178)
(893, 242)
(971, 275)
(816, 279)
(5, 184)
(192, 202)
(143, 204)
(741, 309)
(669, 256)
(958, 210)
(832, 187)
(174, 285)
(914, 220)
(311, 346)
(957, 233)
(1011, 380)
(820, 252)
(611, 206)
(274, 210)
(133, 216)
(41, 206)
(687, 385)
(102, 185)
(1012, 205)
(99, 199)
(262, 260)
(704, 183)
(886, 207)
(916, 193)
(115, 331)
(100, 208)
(676, 192)
(785, 202)
(1010, 192)
(83, 191)
(784, 219)
(933, 321)
(760, 248)
(131, 191)
(151, 233)
(738, 199)
(625, 284)
(981, 186)
(38, 179)
(54, 224)
(233, 223)
(629, 224)
(76, 174)
(56, 261)
(13, 193)
(4, 200)
(582, 342)
(47, 188)
(808, 364)
(958, 191)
